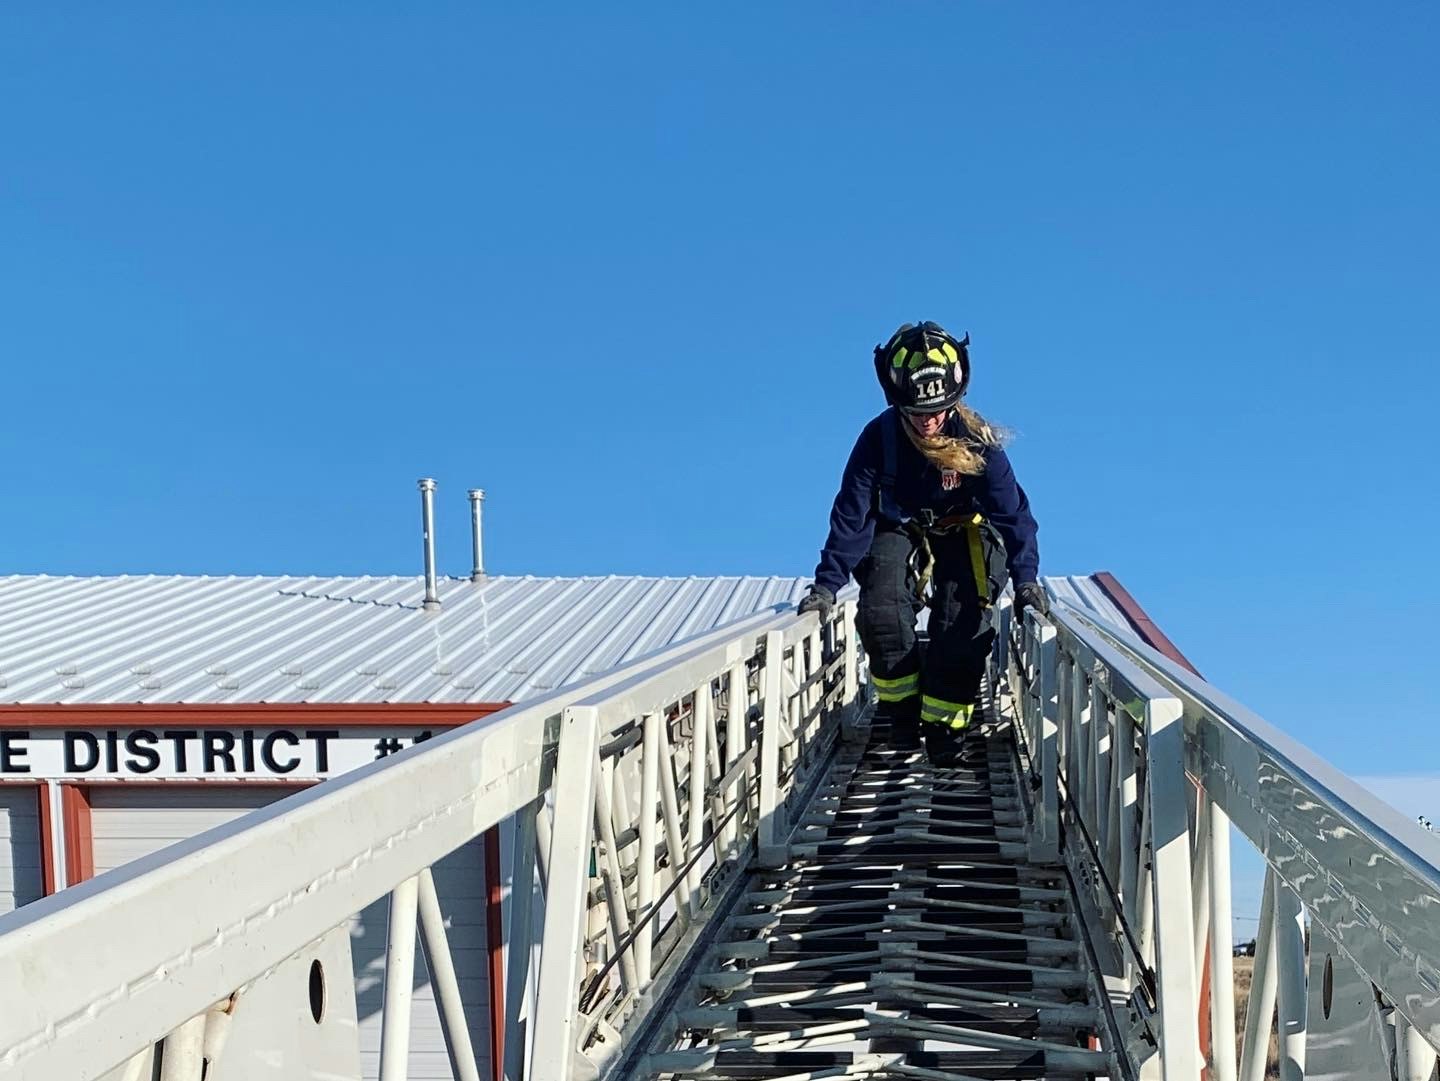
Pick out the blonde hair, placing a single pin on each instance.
(965, 453)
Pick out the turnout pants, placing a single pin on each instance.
(939, 692)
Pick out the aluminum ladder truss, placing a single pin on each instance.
(907, 934)
(720, 871)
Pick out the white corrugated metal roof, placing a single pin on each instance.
(1084, 593)
(181, 639)
(166, 639)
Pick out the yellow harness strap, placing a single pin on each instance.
(925, 557)
(977, 562)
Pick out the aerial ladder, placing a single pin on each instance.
(718, 869)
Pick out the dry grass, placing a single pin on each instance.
(1244, 970)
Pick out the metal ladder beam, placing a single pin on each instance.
(906, 934)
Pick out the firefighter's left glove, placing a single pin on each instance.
(819, 599)
(1030, 595)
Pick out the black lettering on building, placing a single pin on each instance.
(219, 747)
(267, 751)
(13, 752)
(247, 750)
(112, 751)
(76, 744)
(177, 738)
(140, 746)
(322, 738)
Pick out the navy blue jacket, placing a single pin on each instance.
(919, 485)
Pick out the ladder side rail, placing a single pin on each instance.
(1364, 872)
(1162, 860)
(106, 976)
(640, 886)
(520, 938)
(271, 882)
(654, 891)
(794, 679)
(772, 725)
(1113, 844)
(562, 951)
(1036, 683)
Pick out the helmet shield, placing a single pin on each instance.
(923, 368)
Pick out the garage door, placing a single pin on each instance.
(20, 879)
(133, 821)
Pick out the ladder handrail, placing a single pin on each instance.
(1325, 837)
(159, 936)
(1121, 733)
(1402, 835)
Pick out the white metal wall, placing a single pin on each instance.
(131, 821)
(21, 880)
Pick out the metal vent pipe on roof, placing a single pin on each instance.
(427, 520)
(477, 548)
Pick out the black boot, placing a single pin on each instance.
(899, 723)
(945, 746)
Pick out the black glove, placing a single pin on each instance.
(819, 599)
(1030, 595)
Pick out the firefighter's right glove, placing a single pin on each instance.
(1030, 595)
(819, 599)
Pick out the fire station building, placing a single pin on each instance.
(139, 711)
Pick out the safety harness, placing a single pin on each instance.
(924, 525)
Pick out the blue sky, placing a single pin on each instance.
(624, 268)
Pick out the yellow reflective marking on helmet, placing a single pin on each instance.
(935, 355)
(949, 351)
(900, 355)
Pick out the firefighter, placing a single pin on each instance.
(928, 513)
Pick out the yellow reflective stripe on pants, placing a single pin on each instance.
(896, 690)
(950, 714)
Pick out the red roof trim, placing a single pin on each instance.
(1149, 632)
(224, 715)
